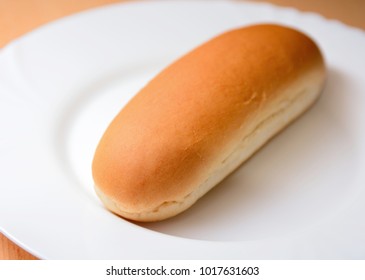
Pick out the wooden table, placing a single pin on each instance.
(21, 16)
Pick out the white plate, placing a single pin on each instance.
(302, 196)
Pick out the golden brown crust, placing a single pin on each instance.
(166, 141)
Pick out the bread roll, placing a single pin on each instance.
(203, 116)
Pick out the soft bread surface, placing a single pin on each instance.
(202, 116)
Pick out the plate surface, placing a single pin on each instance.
(301, 197)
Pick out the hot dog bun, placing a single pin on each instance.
(203, 116)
